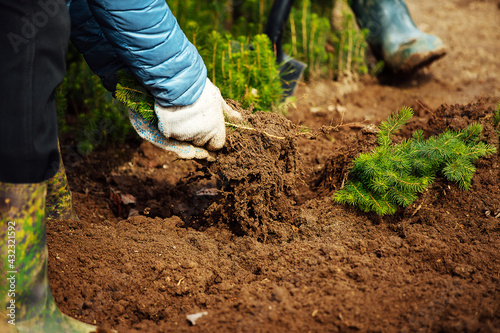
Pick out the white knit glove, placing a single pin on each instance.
(148, 131)
(201, 123)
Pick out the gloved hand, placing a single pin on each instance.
(201, 123)
(148, 131)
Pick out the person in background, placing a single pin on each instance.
(140, 36)
(393, 37)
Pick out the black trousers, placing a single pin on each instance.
(34, 37)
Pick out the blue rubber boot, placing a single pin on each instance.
(394, 37)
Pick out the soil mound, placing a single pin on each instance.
(257, 175)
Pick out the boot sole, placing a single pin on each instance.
(419, 61)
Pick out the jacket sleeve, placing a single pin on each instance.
(147, 38)
(88, 38)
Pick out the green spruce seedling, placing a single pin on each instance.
(394, 174)
(134, 96)
(496, 119)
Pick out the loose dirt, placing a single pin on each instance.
(254, 238)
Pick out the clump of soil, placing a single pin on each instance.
(257, 174)
(336, 170)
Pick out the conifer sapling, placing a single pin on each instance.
(393, 174)
(131, 93)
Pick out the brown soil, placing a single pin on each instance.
(254, 238)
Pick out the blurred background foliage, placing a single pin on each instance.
(239, 58)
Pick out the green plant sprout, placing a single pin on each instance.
(244, 69)
(307, 39)
(134, 96)
(350, 49)
(496, 118)
(310, 32)
(393, 174)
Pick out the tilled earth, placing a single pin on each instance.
(257, 243)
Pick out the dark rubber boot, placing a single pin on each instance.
(25, 296)
(394, 37)
(290, 69)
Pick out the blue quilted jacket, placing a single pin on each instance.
(143, 36)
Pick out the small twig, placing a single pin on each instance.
(255, 130)
(344, 179)
(336, 127)
(324, 129)
(180, 281)
(426, 109)
(416, 210)
(135, 90)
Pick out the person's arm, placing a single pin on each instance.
(88, 38)
(144, 37)
(147, 38)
